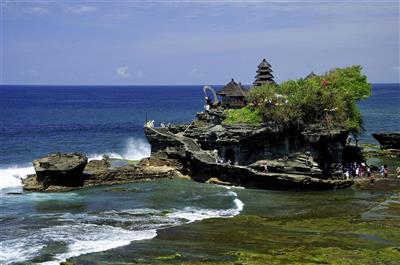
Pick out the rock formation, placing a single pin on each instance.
(267, 156)
(388, 140)
(60, 169)
(65, 172)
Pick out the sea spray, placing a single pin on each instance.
(11, 177)
(134, 149)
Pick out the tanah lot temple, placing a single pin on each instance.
(267, 156)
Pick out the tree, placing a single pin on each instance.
(329, 100)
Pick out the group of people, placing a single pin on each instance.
(362, 170)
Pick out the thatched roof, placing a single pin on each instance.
(233, 89)
(311, 75)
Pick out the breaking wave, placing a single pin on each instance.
(135, 149)
(82, 233)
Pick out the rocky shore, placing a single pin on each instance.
(69, 171)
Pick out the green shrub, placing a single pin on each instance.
(329, 100)
(243, 116)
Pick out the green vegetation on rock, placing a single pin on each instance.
(244, 115)
(329, 100)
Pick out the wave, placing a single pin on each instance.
(192, 214)
(135, 149)
(11, 177)
(90, 232)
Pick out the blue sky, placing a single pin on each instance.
(193, 42)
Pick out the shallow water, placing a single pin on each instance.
(275, 227)
(41, 227)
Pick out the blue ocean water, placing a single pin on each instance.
(37, 120)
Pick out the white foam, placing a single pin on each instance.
(89, 238)
(196, 214)
(135, 149)
(80, 239)
(11, 177)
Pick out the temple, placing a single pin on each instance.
(310, 75)
(264, 74)
(233, 95)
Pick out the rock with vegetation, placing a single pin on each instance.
(278, 126)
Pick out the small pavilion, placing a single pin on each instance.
(233, 95)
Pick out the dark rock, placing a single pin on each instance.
(297, 172)
(64, 169)
(99, 172)
(388, 140)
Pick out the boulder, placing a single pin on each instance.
(97, 165)
(63, 169)
(388, 140)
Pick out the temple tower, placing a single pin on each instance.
(264, 74)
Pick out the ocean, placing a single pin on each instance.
(48, 228)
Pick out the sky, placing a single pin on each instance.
(107, 42)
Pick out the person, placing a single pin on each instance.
(215, 153)
(368, 172)
(265, 168)
(382, 170)
(398, 172)
(385, 171)
(372, 177)
(346, 173)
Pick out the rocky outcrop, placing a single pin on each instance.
(203, 165)
(388, 140)
(96, 172)
(60, 169)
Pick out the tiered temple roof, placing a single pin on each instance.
(264, 74)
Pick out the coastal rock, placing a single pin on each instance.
(64, 169)
(97, 172)
(97, 165)
(388, 140)
(299, 172)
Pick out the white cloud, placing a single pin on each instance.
(123, 71)
(38, 10)
(79, 9)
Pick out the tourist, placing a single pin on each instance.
(265, 168)
(346, 173)
(368, 172)
(385, 171)
(372, 177)
(382, 170)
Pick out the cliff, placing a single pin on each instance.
(265, 156)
